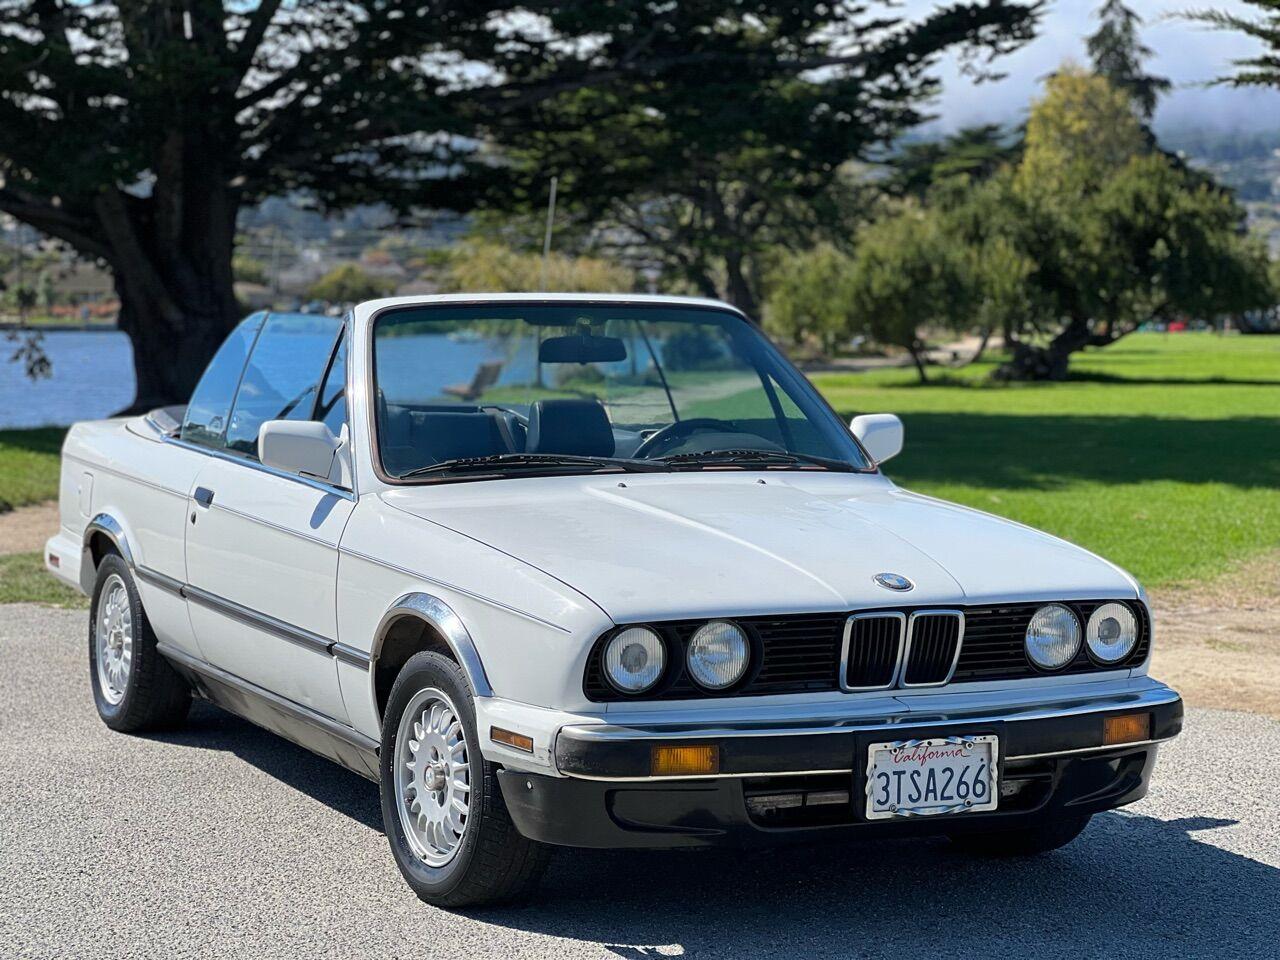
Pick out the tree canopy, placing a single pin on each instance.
(135, 132)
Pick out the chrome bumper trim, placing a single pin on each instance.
(1150, 697)
(1103, 748)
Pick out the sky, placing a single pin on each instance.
(1186, 53)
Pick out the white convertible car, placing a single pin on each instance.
(602, 572)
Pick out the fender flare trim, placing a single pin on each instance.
(438, 615)
(108, 526)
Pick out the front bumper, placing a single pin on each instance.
(1051, 759)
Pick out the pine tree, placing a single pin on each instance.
(1118, 54)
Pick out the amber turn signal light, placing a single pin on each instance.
(1126, 728)
(517, 741)
(690, 761)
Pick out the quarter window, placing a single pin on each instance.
(282, 378)
(205, 421)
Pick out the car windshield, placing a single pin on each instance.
(470, 391)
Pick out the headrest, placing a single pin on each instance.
(577, 427)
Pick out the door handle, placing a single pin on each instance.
(204, 496)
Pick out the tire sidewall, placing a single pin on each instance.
(113, 564)
(422, 671)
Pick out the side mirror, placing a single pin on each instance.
(880, 433)
(298, 446)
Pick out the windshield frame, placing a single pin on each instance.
(785, 367)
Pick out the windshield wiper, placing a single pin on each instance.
(499, 462)
(765, 458)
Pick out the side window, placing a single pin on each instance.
(331, 406)
(205, 421)
(282, 378)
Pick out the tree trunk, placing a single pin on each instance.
(1049, 362)
(917, 357)
(738, 288)
(171, 256)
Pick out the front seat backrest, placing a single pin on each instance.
(576, 427)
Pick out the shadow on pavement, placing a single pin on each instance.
(210, 728)
(1132, 886)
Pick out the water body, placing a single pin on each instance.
(92, 378)
(93, 373)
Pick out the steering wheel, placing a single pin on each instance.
(666, 438)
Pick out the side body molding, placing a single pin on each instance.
(440, 617)
(109, 527)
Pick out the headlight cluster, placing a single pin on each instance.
(716, 657)
(1054, 636)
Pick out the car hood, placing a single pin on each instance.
(662, 546)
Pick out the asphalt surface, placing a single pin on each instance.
(222, 840)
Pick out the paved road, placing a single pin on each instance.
(222, 840)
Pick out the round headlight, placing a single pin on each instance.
(1053, 637)
(1112, 632)
(634, 659)
(718, 655)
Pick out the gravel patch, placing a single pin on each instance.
(25, 529)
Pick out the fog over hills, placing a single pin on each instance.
(1187, 53)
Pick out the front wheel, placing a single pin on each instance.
(1025, 842)
(442, 807)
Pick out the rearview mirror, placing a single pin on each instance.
(880, 434)
(298, 446)
(581, 348)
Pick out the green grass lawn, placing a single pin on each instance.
(23, 579)
(29, 465)
(1162, 452)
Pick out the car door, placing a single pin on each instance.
(261, 545)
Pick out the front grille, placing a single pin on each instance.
(802, 653)
(872, 649)
(931, 649)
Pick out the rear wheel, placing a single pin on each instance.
(134, 687)
(1026, 842)
(442, 807)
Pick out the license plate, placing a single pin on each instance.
(941, 775)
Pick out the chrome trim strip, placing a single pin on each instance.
(297, 710)
(106, 524)
(261, 467)
(1098, 749)
(158, 579)
(349, 654)
(439, 615)
(1152, 696)
(444, 584)
(704, 776)
(843, 664)
(252, 618)
(906, 655)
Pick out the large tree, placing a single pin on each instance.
(709, 171)
(135, 131)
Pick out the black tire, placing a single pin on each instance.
(494, 862)
(1026, 842)
(154, 696)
